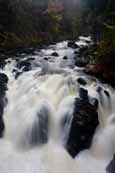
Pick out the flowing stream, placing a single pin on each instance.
(38, 100)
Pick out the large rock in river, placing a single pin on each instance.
(3, 88)
(55, 54)
(72, 44)
(22, 66)
(111, 167)
(81, 81)
(25, 65)
(3, 84)
(84, 123)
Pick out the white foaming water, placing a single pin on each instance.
(47, 93)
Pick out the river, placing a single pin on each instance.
(49, 88)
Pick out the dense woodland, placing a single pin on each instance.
(26, 23)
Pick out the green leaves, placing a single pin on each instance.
(105, 51)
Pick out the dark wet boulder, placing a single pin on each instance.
(3, 78)
(84, 123)
(3, 84)
(65, 57)
(2, 63)
(31, 59)
(17, 59)
(17, 74)
(72, 44)
(107, 93)
(111, 167)
(55, 54)
(46, 58)
(84, 50)
(82, 56)
(8, 61)
(3, 88)
(99, 89)
(81, 81)
(88, 41)
(83, 93)
(14, 70)
(2, 127)
(24, 65)
(81, 61)
(76, 52)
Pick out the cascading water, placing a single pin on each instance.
(38, 102)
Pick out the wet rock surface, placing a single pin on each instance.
(2, 62)
(65, 57)
(83, 55)
(111, 167)
(55, 54)
(46, 58)
(84, 123)
(3, 101)
(81, 81)
(22, 66)
(3, 84)
(26, 65)
(72, 44)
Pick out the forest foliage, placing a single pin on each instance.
(29, 22)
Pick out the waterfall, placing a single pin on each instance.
(39, 114)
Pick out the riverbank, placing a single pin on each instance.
(103, 72)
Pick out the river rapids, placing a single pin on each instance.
(37, 102)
